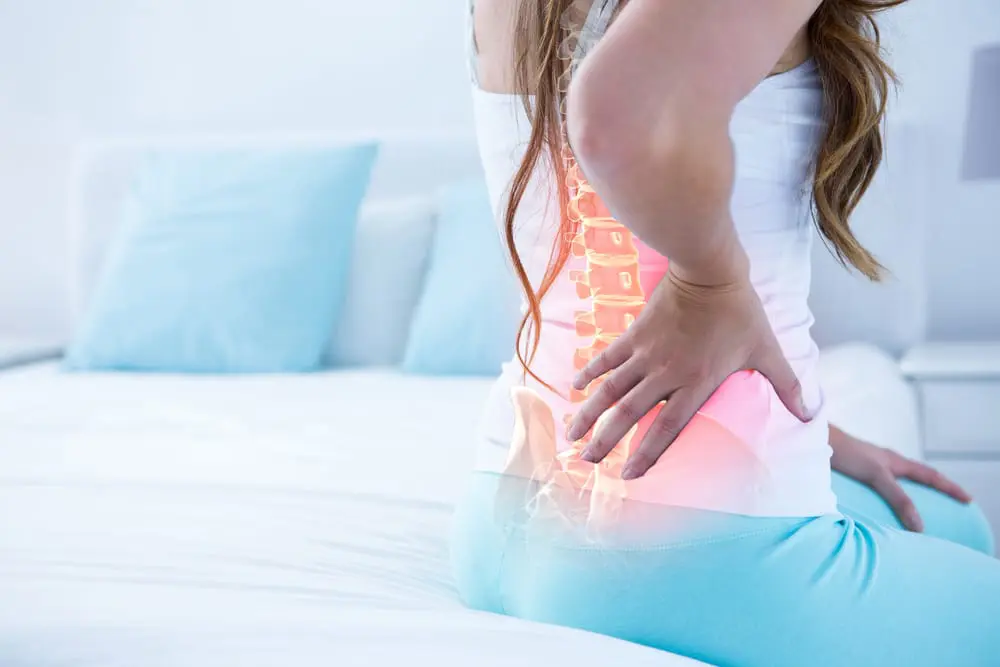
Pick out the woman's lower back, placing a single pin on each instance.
(743, 452)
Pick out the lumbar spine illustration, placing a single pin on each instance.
(610, 282)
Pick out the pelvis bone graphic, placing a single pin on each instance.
(554, 485)
(609, 283)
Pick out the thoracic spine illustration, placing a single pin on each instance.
(610, 280)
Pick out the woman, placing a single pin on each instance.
(656, 465)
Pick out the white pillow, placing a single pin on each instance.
(391, 254)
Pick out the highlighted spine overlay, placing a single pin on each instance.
(610, 280)
(610, 283)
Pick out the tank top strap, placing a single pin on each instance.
(472, 50)
(598, 19)
(597, 22)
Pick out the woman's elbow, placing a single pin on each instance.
(609, 135)
(601, 131)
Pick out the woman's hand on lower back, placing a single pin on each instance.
(686, 341)
(881, 469)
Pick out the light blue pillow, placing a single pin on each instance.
(467, 317)
(228, 261)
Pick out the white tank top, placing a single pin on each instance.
(743, 453)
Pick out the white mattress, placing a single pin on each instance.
(279, 520)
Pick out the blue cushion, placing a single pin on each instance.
(228, 261)
(467, 317)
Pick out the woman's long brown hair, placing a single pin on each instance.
(856, 80)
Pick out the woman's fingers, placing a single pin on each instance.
(610, 358)
(614, 387)
(773, 365)
(928, 476)
(622, 417)
(673, 417)
(885, 485)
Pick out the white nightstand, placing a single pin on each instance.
(958, 385)
(21, 351)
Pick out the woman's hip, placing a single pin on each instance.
(726, 588)
(509, 531)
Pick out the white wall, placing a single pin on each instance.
(72, 69)
(932, 42)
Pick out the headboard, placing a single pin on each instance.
(890, 221)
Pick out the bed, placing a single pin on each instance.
(204, 521)
(221, 521)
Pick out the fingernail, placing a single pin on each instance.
(571, 433)
(630, 471)
(916, 525)
(806, 412)
(589, 455)
(577, 382)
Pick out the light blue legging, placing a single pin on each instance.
(734, 591)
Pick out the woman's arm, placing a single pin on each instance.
(648, 119)
(881, 469)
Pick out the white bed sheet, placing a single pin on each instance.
(276, 520)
